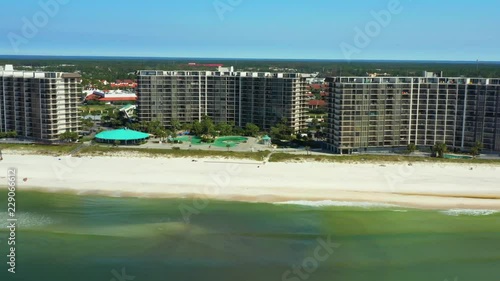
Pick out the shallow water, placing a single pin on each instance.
(71, 237)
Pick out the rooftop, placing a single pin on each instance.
(415, 79)
(223, 72)
(9, 71)
(121, 135)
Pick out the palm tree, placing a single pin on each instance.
(476, 149)
(440, 149)
(411, 148)
(162, 134)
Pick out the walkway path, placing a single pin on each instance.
(78, 148)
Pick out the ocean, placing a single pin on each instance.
(75, 237)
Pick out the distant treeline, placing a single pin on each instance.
(115, 68)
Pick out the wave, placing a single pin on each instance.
(469, 212)
(330, 203)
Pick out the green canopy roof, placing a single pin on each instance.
(122, 135)
(127, 107)
(266, 137)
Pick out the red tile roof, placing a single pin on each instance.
(317, 103)
(96, 97)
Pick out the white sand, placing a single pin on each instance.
(441, 186)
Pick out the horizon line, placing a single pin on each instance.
(229, 58)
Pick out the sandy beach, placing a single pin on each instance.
(420, 185)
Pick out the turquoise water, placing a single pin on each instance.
(454, 156)
(219, 142)
(190, 139)
(231, 141)
(71, 237)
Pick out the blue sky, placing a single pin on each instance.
(313, 29)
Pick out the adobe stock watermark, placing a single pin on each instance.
(220, 179)
(398, 176)
(65, 165)
(31, 26)
(372, 29)
(224, 6)
(323, 251)
(121, 276)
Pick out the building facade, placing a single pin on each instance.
(39, 105)
(225, 96)
(383, 113)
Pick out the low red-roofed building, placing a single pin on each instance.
(315, 104)
(112, 96)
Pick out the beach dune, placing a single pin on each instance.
(421, 185)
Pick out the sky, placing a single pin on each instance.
(273, 29)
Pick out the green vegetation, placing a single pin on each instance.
(207, 128)
(282, 131)
(153, 127)
(95, 109)
(86, 139)
(476, 149)
(69, 136)
(224, 129)
(162, 134)
(103, 150)
(12, 134)
(97, 150)
(41, 149)
(111, 69)
(175, 125)
(440, 149)
(251, 130)
(411, 148)
(284, 157)
(87, 124)
(318, 111)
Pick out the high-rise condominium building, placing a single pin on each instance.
(224, 95)
(382, 113)
(38, 105)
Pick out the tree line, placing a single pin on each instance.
(206, 129)
(110, 69)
